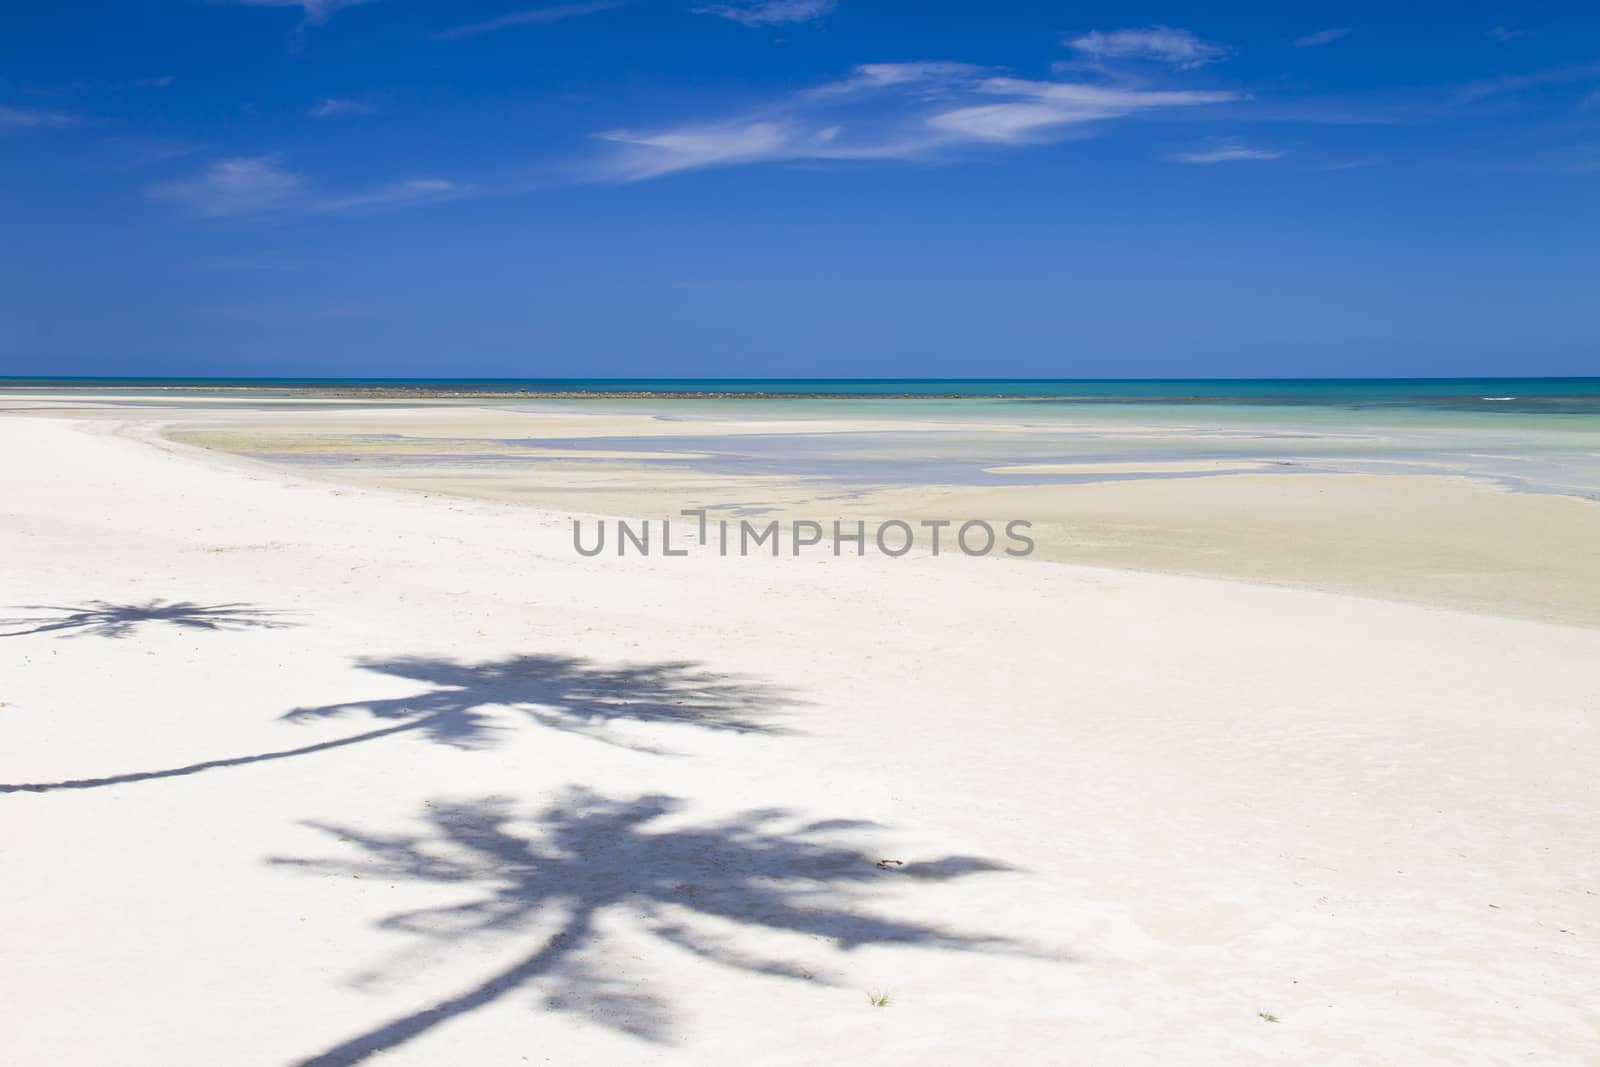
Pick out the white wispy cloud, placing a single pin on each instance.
(529, 17)
(28, 116)
(333, 107)
(1419, 105)
(1506, 33)
(125, 153)
(1162, 44)
(259, 185)
(688, 148)
(1321, 37)
(244, 185)
(1043, 106)
(769, 12)
(883, 75)
(884, 111)
(410, 190)
(1512, 83)
(1226, 153)
(315, 12)
(161, 82)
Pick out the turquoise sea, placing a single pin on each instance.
(1552, 396)
(1536, 434)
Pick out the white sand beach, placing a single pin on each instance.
(306, 769)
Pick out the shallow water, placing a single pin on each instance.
(1526, 434)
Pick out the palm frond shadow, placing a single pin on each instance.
(101, 618)
(587, 856)
(469, 705)
(568, 693)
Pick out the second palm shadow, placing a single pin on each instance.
(466, 705)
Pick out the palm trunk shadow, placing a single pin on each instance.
(585, 854)
(567, 693)
(196, 768)
(398, 1032)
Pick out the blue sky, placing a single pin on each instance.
(798, 187)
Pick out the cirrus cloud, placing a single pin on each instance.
(20, 117)
(1321, 37)
(315, 12)
(1043, 105)
(333, 107)
(769, 12)
(890, 111)
(406, 191)
(1226, 153)
(532, 17)
(246, 186)
(1162, 44)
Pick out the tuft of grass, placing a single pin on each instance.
(1267, 1016)
(878, 998)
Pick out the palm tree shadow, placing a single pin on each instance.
(466, 705)
(588, 856)
(101, 618)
